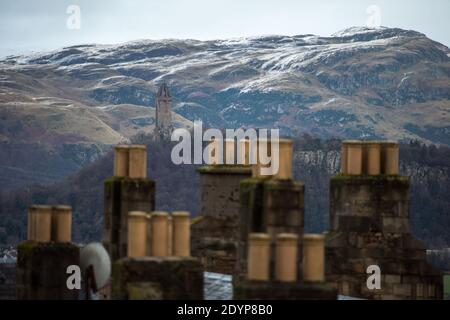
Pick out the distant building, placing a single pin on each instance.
(163, 127)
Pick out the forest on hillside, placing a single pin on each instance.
(178, 188)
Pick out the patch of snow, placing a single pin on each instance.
(357, 30)
(330, 101)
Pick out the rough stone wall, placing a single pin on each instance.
(214, 243)
(8, 281)
(271, 206)
(274, 206)
(220, 190)
(121, 196)
(214, 234)
(41, 270)
(369, 223)
(375, 203)
(152, 278)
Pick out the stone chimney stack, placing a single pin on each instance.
(369, 222)
(258, 284)
(215, 231)
(42, 259)
(154, 268)
(270, 247)
(271, 204)
(128, 190)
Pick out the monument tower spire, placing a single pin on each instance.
(163, 128)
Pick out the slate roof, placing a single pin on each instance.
(217, 286)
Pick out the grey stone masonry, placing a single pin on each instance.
(42, 270)
(163, 125)
(121, 196)
(155, 278)
(220, 190)
(215, 232)
(270, 206)
(369, 219)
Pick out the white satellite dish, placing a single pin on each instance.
(95, 259)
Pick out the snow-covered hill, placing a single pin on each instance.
(358, 83)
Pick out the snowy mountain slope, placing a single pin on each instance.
(358, 83)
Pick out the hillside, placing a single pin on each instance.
(70, 105)
(45, 141)
(359, 82)
(177, 188)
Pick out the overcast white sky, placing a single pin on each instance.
(39, 25)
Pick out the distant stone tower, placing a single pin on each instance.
(163, 127)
